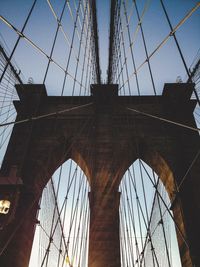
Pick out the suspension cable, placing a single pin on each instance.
(45, 115)
(164, 120)
(181, 22)
(19, 37)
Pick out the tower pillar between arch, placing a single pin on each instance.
(109, 137)
(104, 241)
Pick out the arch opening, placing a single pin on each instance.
(61, 233)
(147, 230)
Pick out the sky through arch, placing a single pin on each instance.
(61, 237)
(147, 231)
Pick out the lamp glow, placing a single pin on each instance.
(4, 206)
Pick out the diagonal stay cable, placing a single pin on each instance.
(125, 225)
(56, 222)
(34, 201)
(81, 14)
(150, 234)
(167, 209)
(145, 49)
(162, 223)
(19, 37)
(45, 115)
(36, 47)
(132, 55)
(60, 25)
(54, 41)
(8, 63)
(175, 39)
(86, 56)
(182, 21)
(74, 20)
(190, 167)
(164, 120)
(132, 41)
(73, 214)
(133, 180)
(71, 47)
(80, 46)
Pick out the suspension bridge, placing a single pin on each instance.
(99, 133)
